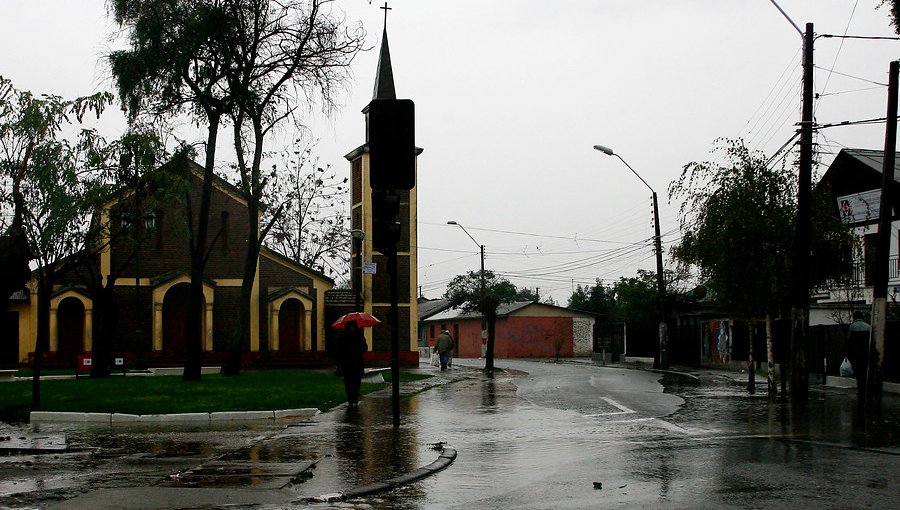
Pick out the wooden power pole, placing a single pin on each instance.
(882, 250)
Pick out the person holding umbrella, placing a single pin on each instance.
(350, 351)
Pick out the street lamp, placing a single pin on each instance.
(149, 223)
(481, 247)
(660, 281)
(358, 236)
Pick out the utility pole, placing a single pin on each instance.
(882, 250)
(660, 291)
(800, 299)
(661, 361)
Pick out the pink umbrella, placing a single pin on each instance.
(362, 320)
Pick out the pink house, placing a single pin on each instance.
(524, 330)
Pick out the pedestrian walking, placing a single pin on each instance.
(443, 346)
(350, 360)
(856, 349)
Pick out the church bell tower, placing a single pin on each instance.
(369, 263)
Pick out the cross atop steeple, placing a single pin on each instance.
(384, 76)
(386, 9)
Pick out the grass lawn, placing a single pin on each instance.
(251, 391)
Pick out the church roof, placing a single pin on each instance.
(384, 77)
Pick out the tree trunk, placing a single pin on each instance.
(770, 360)
(489, 355)
(241, 326)
(751, 364)
(104, 317)
(253, 191)
(195, 312)
(42, 340)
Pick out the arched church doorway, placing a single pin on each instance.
(290, 331)
(70, 325)
(174, 315)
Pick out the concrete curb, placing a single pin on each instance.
(121, 418)
(447, 456)
(850, 383)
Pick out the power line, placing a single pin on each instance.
(532, 234)
(838, 53)
(853, 77)
(880, 120)
(791, 65)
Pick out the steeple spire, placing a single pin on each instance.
(384, 77)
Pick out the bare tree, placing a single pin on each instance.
(286, 55)
(312, 226)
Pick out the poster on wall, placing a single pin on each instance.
(860, 208)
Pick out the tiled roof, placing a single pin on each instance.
(19, 295)
(340, 297)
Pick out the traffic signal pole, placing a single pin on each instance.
(395, 335)
(385, 208)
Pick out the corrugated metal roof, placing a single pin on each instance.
(427, 308)
(502, 311)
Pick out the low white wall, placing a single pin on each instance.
(582, 336)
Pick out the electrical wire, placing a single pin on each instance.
(838, 53)
(854, 77)
(793, 64)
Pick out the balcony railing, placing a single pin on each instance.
(859, 273)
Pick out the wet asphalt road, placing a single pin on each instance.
(539, 436)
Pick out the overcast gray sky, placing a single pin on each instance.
(511, 95)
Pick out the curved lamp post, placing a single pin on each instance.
(660, 281)
(481, 247)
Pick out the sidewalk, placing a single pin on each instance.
(253, 477)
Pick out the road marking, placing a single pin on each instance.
(660, 423)
(621, 409)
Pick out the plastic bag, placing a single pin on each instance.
(435, 359)
(846, 369)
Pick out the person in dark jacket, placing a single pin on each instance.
(350, 360)
(856, 349)
(444, 346)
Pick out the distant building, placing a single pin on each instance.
(524, 330)
(854, 182)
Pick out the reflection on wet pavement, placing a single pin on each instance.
(535, 438)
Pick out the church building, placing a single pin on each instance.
(150, 270)
(292, 305)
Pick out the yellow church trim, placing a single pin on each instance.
(206, 327)
(305, 340)
(254, 309)
(87, 331)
